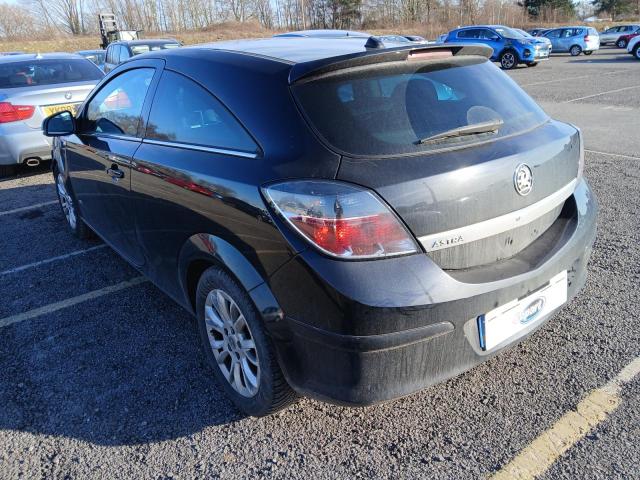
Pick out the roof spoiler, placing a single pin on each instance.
(379, 54)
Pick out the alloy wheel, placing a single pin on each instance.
(232, 343)
(66, 202)
(621, 44)
(508, 60)
(575, 50)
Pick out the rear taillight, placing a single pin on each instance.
(342, 220)
(586, 38)
(15, 113)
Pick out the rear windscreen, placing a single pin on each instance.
(47, 72)
(387, 109)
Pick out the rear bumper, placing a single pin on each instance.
(18, 143)
(359, 333)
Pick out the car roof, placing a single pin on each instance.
(294, 49)
(150, 41)
(324, 33)
(90, 51)
(38, 56)
(307, 56)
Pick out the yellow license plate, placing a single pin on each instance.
(51, 109)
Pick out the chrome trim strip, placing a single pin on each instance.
(200, 148)
(494, 226)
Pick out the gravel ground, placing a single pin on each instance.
(116, 386)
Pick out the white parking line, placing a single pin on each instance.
(603, 93)
(540, 454)
(612, 154)
(30, 207)
(52, 259)
(564, 79)
(52, 307)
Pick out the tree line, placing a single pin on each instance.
(43, 18)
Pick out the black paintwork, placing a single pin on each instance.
(349, 332)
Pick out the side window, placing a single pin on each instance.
(117, 107)
(124, 54)
(109, 57)
(487, 34)
(553, 34)
(185, 112)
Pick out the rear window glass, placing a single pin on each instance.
(388, 108)
(47, 72)
(140, 49)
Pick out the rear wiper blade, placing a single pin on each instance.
(475, 129)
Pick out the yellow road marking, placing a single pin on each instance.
(52, 307)
(540, 454)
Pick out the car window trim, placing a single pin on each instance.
(155, 64)
(201, 148)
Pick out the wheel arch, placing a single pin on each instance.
(204, 250)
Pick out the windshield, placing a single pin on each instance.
(507, 32)
(47, 72)
(387, 109)
(139, 49)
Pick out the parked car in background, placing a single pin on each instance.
(510, 47)
(350, 223)
(611, 35)
(575, 40)
(634, 47)
(543, 40)
(32, 87)
(397, 39)
(118, 52)
(416, 39)
(623, 41)
(96, 56)
(5, 54)
(536, 32)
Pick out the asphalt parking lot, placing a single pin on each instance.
(99, 377)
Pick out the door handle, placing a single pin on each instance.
(115, 172)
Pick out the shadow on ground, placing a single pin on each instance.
(119, 370)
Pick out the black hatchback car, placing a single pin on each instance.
(346, 222)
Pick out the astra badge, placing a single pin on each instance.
(523, 179)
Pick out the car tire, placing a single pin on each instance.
(575, 50)
(237, 346)
(588, 53)
(508, 60)
(7, 170)
(532, 64)
(636, 51)
(621, 44)
(67, 203)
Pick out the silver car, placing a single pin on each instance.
(32, 87)
(611, 35)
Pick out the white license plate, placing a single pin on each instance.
(508, 320)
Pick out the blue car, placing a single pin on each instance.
(575, 40)
(510, 47)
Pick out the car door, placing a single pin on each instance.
(193, 144)
(493, 39)
(99, 156)
(554, 36)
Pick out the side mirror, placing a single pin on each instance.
(59, 124)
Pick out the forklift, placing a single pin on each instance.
(109, 31)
